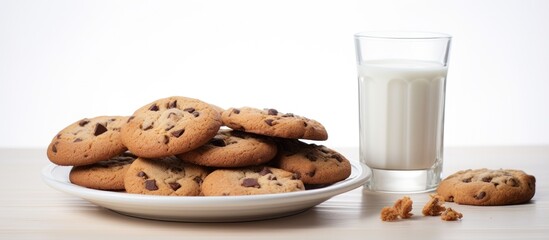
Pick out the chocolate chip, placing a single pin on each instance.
(168, 128)
(99, 129)
(480, 195)
(198, 180)
(305, 124)
(467, 180)
(77, 140)
(130, 118)
(153, 108)
(487, 179)
(178, 133)
(54, 147)
(236, 111)
(217, 142)
(495, 184)
(189, 110)
(174, 186)
(172, 104)
(513, 182)
(311, 156)
(272, 112)
(250, 182)
(269, 122)
(166, 139)
(311, 174)
(265, 171)
(338, 157)
(58, 136)
(288, 115)
(196, 114)
(151, 185)
(142, 175)
(272, 178)
(83, 122)
(149, 127)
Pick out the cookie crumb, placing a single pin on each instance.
(451, 215)
(389, 214)
(401, 208)
(435, 206)
(404, 206)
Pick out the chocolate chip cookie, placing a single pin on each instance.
(271, 122)
(167, 176)
(170, 126)
(488, 187)
(315, 164)
(103, 175)
(250, 181)
(87, 141)
(231, 148)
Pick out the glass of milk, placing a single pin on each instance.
(402, 82)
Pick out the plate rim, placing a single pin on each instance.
(359, 175)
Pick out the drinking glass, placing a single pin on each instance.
(402, 84)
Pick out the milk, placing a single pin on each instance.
(401, 113)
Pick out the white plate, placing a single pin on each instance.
(206, 209)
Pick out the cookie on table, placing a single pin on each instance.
(272, 123)
(170, 126)
(103, 175)
(167, 176)
(230, 148)
(488, 187)
(250, 181)
(87, 141)
(315, 164)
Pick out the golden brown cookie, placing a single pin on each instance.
(315, 164)
(167, 176)
(170, 126)
(87, 141)
(230, 148)
(271, 122)
(103, 175)
(488, 187)
(250, 181)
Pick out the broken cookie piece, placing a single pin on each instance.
(401, 208)
(451, 215)
(389, 214)
(404, 206)
(435, 206)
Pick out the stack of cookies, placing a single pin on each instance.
(182, 146)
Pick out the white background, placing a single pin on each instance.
(61, 61)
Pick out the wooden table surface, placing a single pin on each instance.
(29, 209)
